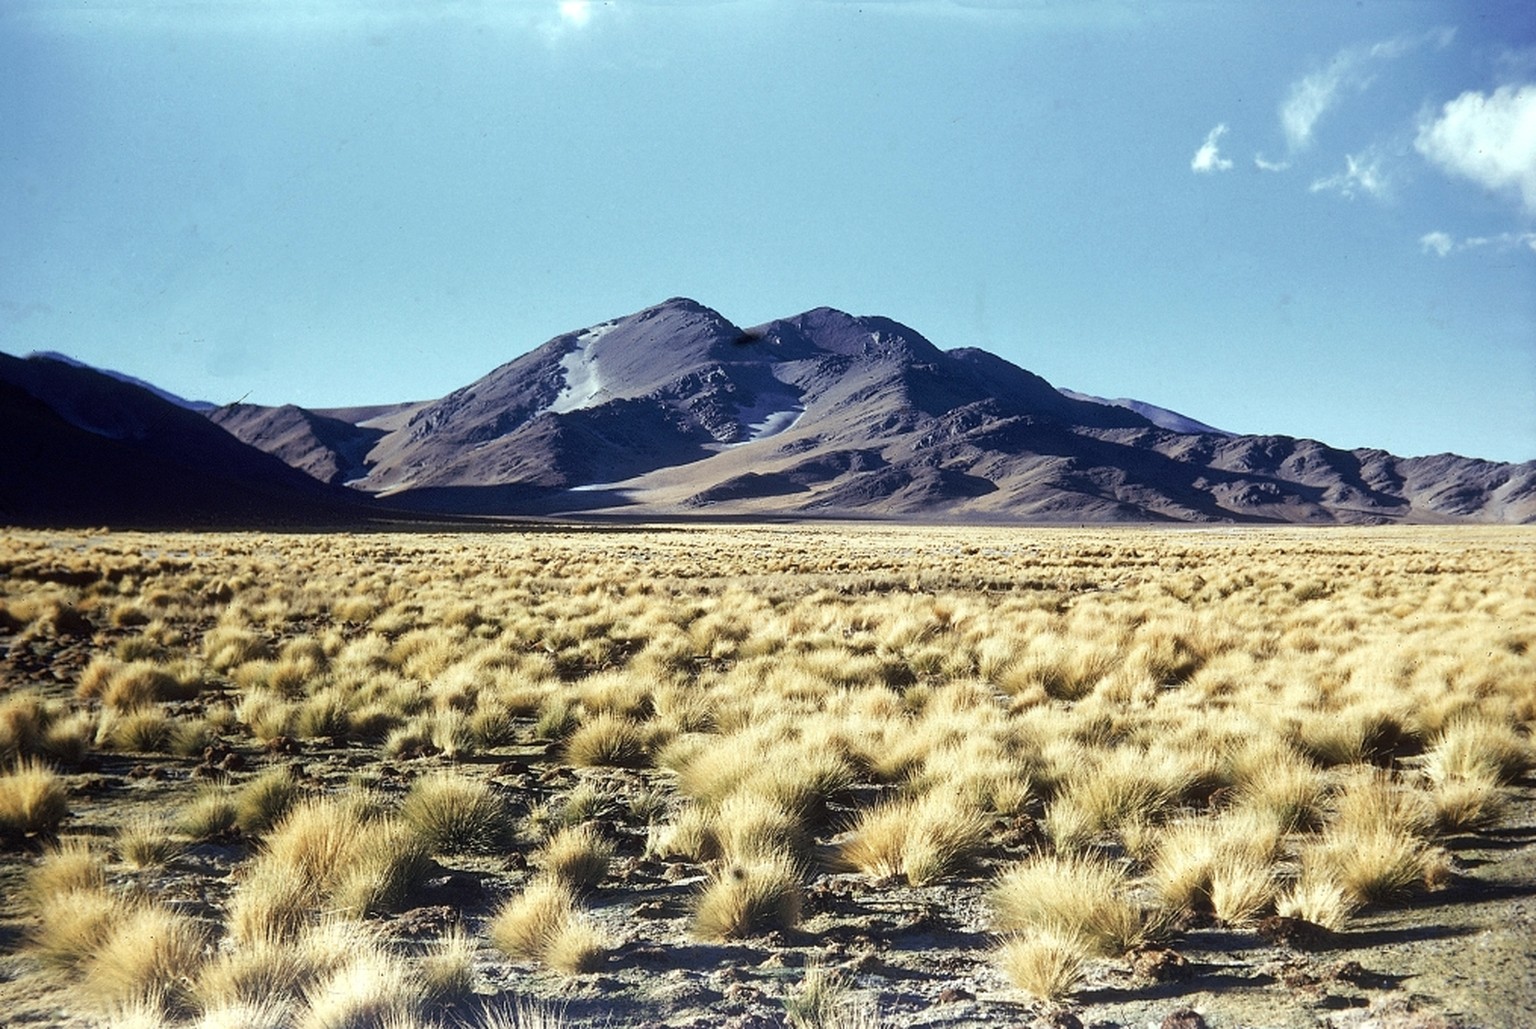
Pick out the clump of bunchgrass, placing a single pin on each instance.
(458, 815)
(1369, 864)
(69, 865)
(150, 953)
(209, 814)
(262, 801)
(544, 923)
(1477, 749)
(374, 988)
(824, 999)
(1045, 963)
(749, 826)
(747, 898)
(920, 840)
(447, 969)
(1318, 900)
(1466, 802)
(145, 841)
(1286, 787)
(1083, 897)
(226, 647)
(136, 731)
(576, 854)
(606, 739)
(139, 684)
(33, 801)
(690, 834)
(73, 924)
(1221, 866)
(328, 855)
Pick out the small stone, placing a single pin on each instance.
(954, 994)
(426, 921)
(1160, 965)
(1282, 930)
(1357, 974)
(1184, 1018)
(455, 889)
(651, 909)
(751, 1020)
(742, 993)
(1059, 1018)
(675, 871)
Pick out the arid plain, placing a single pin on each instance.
(812, 775)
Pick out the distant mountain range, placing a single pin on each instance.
(674, 411)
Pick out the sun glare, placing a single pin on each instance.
(576, 12)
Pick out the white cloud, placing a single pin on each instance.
(1439, 242)
(1362, 174)
(1489, 139)
(1309, 99)
(1311, 96)
(1443, 243)
(1263, 164)
(1208, 158)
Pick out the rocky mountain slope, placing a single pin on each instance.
(86, 448)
(676, 410)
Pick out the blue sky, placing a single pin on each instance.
(1310, 219)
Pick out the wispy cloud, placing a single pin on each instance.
(1313, 95)
(551, 18)
(1362, 174)
(1487, 138)
(1437, 242)
(1443, 244)
(1208, 158)
(1264, 164)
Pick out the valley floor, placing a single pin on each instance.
(762, 775)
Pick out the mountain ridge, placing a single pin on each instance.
(675, 411)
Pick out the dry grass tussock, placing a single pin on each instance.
(1111, 732)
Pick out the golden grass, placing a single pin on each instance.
(747, 898)
(545, 924)
(33, 800)
(454, 814)
(576, 854)
(150, 953)
(1227, 723)
(920, 840)
(1045, 963)
(1085, 898)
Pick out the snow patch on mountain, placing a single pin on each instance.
(767, 416)
(583, 384)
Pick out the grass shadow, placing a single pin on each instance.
(1198, 978)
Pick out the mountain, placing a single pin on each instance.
(201, 406)
(674, 410)
(86, 448)
(329, 449)
(1159, 416)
